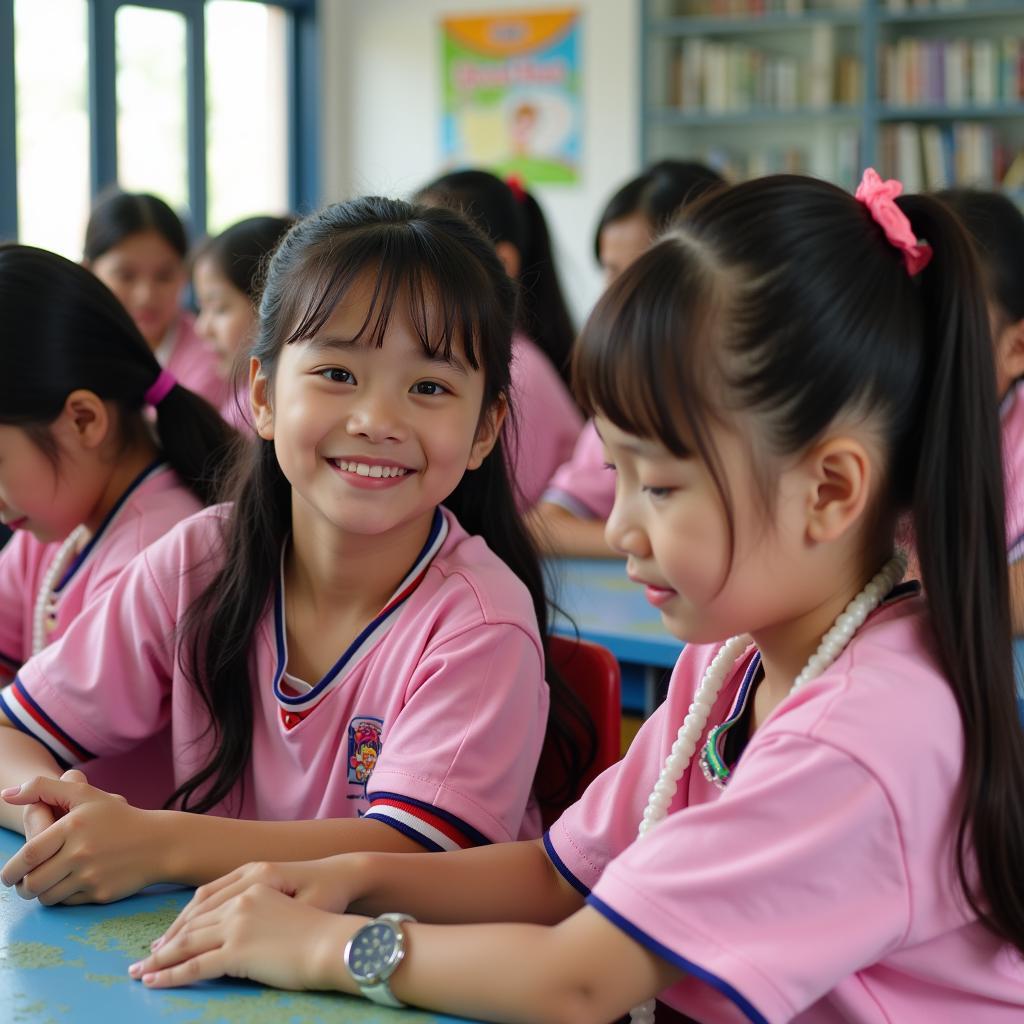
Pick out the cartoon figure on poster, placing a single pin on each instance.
(511, 95)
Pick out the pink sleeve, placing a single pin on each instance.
(105, 685)
(15, 579)
(803, 843)
(584, 485)
(195, 365)
(547, 421)
(458, 762)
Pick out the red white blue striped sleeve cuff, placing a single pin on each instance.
(433, 828)
(25, 714)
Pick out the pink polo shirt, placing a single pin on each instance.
(819, 886)
(194, 363)
(1012, 416)
(154, 503)
(547, 421)
(584, 485)
(432, 720)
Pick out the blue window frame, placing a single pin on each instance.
(301, 76)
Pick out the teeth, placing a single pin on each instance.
(364, 469)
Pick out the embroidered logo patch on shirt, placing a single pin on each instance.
(363, 749)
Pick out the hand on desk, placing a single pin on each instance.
(259, 933)
(83, 845)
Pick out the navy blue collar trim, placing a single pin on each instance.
(107, 520)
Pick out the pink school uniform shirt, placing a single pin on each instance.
(194, 363)
(819, 886)
(432, 720)
(1012, 417)
(547, 421)
(584, 485)
(237, 411)
(154, 503)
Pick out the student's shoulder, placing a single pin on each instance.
(159, 503)
(468, 579)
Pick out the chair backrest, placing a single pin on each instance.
(592, 673)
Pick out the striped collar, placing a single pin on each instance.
(298, 704)
(83, 556)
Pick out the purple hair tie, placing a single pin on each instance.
(880, 198)
(159, 389)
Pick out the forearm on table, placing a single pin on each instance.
(503, 882)
(201, 847)
(21, 758)
(558, 532)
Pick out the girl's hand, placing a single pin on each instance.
(39, 816)
(98, 849)
(317, 883)
(260, 934)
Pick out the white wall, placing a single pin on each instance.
(381, 69)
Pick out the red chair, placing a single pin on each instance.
(593, 675)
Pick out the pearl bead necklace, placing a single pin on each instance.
(44, 616)
(832, 645)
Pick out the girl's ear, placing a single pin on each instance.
(840, 479)
(510, 258)
(487, 432)
(259, 400)
(86, 418)
(1010, 352)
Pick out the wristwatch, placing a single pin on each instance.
(373, 954)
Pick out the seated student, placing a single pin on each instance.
(83, 482)
(823, 823)
(997, 226)
(337, 644)
(227, 277)
(570, 517)
(135, 244)
(547, 419)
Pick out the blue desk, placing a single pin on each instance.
(69, 965)
(595, 597)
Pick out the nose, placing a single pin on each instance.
(376, 417)
(623, 532)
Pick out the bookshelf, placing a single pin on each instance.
(930, 91)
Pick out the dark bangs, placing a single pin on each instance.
(643, 358)
(418, 263)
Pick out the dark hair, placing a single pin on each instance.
(657, 194)
(118, 215)
(242, 251)
(757, 278)
(997, 226)
(80, 336)
(507, 214)
(433, 260)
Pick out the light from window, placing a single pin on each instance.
(246, 127)
(51, 91)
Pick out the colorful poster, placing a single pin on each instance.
(512, 94)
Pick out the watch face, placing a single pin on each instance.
(373, 952)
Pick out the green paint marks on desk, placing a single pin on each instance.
(22, 956)
(269, 1007)
(130, 934)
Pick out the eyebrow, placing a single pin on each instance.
(329, 341)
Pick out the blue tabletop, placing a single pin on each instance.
(69, 965)
(608, 608)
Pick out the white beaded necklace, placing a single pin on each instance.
(831, 646)
(44, 616)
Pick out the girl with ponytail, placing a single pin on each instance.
(823, 822)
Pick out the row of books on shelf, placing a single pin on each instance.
(714, 77)
(954, 72)
(926, 157)
(753, 8)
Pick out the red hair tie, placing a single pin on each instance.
(515, 184)
(880, 198)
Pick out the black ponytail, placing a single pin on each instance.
(959, 505)
(64, 330)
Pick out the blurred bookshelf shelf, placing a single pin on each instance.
(931, 93)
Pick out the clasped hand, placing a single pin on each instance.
(83, 845)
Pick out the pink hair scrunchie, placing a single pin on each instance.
(879, 197)
(159, 389)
